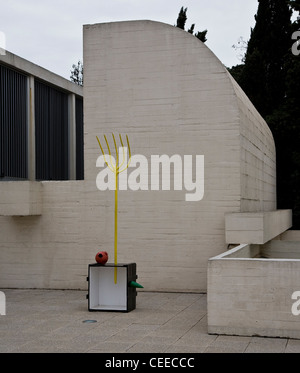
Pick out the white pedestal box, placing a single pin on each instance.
(106, 295)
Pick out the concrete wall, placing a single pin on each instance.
(171, 95)
(257, 158)
(23, 198)
(254, 296)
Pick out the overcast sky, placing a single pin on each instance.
(49, 32)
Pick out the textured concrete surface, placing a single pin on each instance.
(256, 227)
(255, 293)
(48, 321)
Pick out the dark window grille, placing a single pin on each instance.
(51, 130)
(79, 139)
(13, 124)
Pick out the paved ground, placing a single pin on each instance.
(52, 321)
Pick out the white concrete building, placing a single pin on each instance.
(170, 94)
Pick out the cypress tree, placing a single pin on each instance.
(263, 76)
(182, 17)
(181, 20)
(285, 125)
(201, 35)
(270, 78)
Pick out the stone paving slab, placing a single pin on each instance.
(50, 321)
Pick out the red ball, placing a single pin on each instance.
(101, 257)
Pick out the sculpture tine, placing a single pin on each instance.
(116, 168)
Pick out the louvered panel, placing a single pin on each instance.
(13, 124)
(51, 126)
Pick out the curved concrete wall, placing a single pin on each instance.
(171, 95)
(257, 157)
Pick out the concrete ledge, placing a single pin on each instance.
(20, 198)
(39, 72)
(256, 227)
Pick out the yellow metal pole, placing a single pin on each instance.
(116, 227)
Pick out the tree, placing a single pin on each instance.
(263, 75)
(285, 125)
(182, 17)
(241, 48)
(295, 4)
(269, 77)
(201, 35)
(237, 71)
(181, 21)
(77, 73)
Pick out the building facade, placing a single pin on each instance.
(40, 116)
(170, 94)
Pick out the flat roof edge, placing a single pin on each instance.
(31, 69)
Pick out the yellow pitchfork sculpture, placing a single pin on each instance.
(116, 169)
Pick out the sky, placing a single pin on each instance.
(49, 32)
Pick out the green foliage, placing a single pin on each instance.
(201, 35)
(191, 29)
(237, 71)
(270, 78)
(182, 17)
(285, 125)
(269, 44)
(181, 21)
(77, 73)
(295, 4)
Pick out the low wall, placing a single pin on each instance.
(252, 295)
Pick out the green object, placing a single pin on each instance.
(133, 284)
